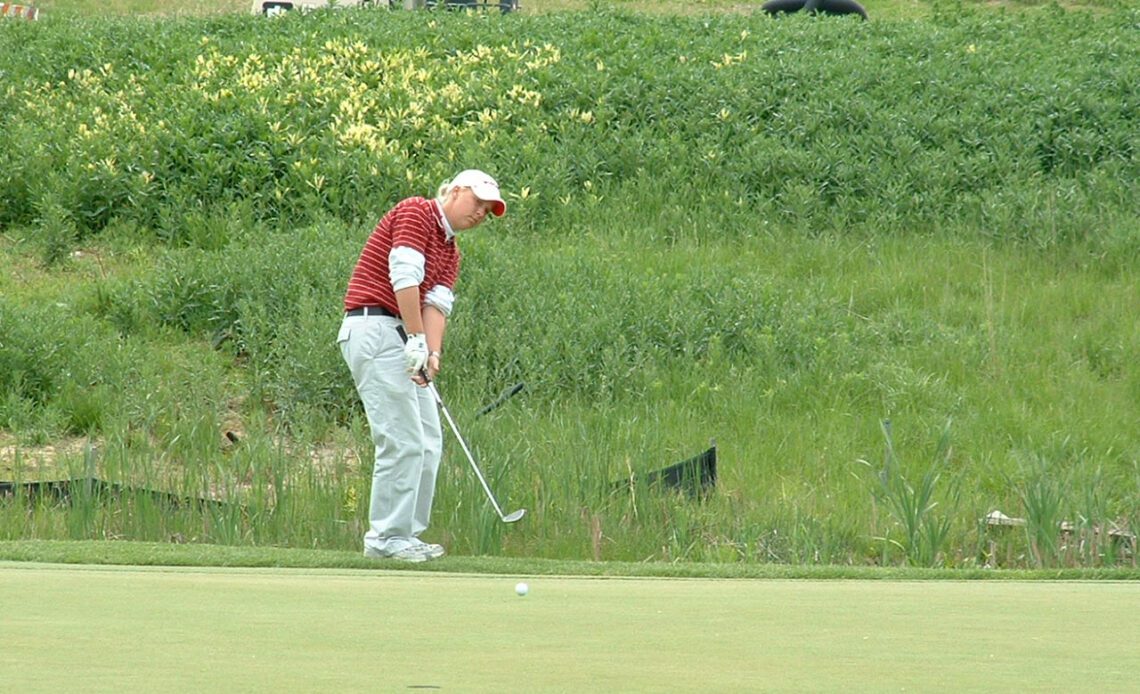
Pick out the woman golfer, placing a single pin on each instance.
(404, 278)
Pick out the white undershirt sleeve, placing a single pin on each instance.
(405, 267)
(442, 298)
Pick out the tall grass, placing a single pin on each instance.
(791, 415)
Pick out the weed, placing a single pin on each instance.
(924, 533)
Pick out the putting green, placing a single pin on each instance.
(114, 629)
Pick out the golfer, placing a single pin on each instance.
(405, 278)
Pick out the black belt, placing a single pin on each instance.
(370, 311)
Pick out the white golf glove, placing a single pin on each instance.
(416, 353)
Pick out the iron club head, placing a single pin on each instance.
(514, 517)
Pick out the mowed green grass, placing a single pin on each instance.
(202, 629)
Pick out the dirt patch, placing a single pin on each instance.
(31, 462)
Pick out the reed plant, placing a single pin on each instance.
(912, 506)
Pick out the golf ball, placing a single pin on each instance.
(521, 588)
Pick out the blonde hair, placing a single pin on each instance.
(444, 190)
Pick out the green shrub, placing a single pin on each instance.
(886, 126)
(57, 370)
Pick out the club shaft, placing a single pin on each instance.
(466, 450)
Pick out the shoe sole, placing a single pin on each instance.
(410, 557)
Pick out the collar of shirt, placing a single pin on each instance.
(447, 230)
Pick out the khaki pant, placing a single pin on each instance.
(405, 429)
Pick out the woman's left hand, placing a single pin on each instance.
(427, 374)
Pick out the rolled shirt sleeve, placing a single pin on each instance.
(442, 298)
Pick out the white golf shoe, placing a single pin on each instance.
(429, 550)
(400, 550)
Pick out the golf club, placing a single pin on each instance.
(512, 517)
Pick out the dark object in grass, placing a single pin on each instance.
(833, 7)
(695, 476)
(505, 396)
(66, 491)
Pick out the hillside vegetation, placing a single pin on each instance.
(890, 266)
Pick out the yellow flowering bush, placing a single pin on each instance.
(812, 123)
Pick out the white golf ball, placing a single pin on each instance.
(521, 588)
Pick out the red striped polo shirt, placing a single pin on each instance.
(413, 223)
